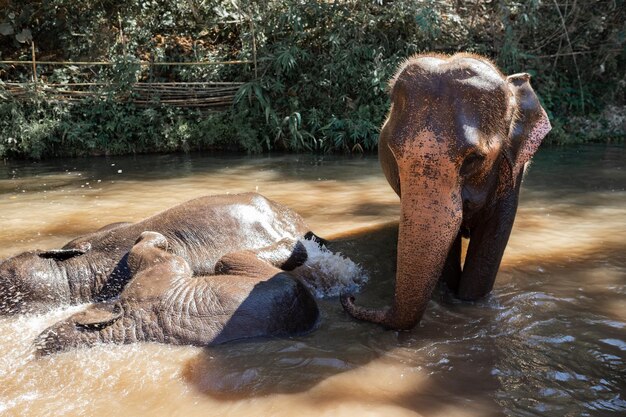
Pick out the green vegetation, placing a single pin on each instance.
(323, 67)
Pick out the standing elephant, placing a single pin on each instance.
(201, 231)
(454, 148)
(163, 302)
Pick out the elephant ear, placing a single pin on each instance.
(529, 126)
(66, 253)
(155, 239)
(143, 254)
(99, 316)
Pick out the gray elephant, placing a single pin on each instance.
(201, 231)
(164, 302)
(454, 147)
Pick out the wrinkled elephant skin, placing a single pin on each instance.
(164, 302)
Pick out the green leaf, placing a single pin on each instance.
(6, 29)
(24, 36)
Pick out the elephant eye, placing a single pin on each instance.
(471, 164)
(61, 254)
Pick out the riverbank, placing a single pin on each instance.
(42, 130)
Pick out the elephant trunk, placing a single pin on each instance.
(431, 215)
(425, 237)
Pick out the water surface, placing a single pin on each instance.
(550, 340)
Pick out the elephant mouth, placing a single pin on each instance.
(469, 208)
(472, 212)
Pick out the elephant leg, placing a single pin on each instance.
(452, 271)
(100, 322)
(246, 264)
(248, 298)
(486, 248)
(286, 254)
(261, 301)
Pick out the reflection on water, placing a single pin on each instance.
(550, 340)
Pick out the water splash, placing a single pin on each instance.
(328, 274)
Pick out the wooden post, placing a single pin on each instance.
(256, 73)
(32, 47)
(119, 19)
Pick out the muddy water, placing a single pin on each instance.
(550, 340)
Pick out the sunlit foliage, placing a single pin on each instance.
(322, 67)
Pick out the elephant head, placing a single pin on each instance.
(32, 281)
(454, 148)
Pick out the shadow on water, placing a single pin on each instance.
(243, 370)
(572, 172)
(459, 350)
(325, 366)
(562, 165)
(59, 173)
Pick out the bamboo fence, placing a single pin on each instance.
(200, 95)
(204, 95)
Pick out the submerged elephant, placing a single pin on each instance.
(454, 148)
(201, 231)
(164, 302)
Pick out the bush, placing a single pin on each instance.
(322, 69)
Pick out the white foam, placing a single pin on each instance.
(328, 274)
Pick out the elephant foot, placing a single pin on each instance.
(472, 294)
(315, 238)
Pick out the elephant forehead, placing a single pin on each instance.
(463, 100)
(28, 264)
(427, 152)
(458, 66)
(475, 73)
(461, 122)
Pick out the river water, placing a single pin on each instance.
(550, 340)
